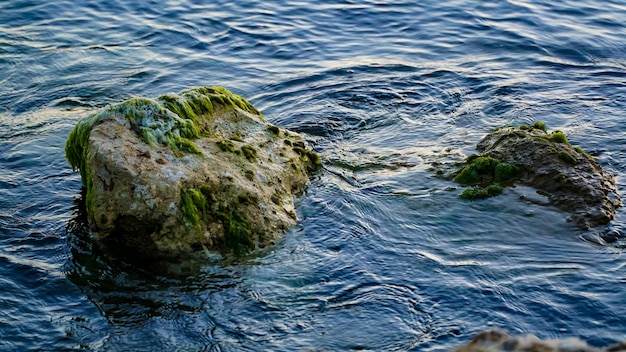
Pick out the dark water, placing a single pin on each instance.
(385, 257)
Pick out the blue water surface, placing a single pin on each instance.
(385, 256)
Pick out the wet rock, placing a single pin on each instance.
(196, 170)
(499, 341)
(571, 179)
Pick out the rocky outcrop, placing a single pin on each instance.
(198, 170)
(570, 178)
(499, 341)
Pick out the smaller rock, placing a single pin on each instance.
(500, 341)
(571, 179)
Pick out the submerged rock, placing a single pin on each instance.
(196, 170)
(499, 341)
(571, 179)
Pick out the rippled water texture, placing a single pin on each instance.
(386, 256)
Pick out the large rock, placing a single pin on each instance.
(571, 179)
(196, 170)
(500, 341)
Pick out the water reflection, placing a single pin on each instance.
(129, 286)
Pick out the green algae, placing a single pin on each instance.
(504, 172)
(181, 106)
(558, 137)
(274, 129)
(165, 121)
(537, 125)
(226, 146)
(201, 205)
(314, 160)
(169, 120)
(468, 176)
(566, 157)
(478, 192)
(249, 152)
(77, 153)
(540, 126)
(196, 102)
(477, 170)
(186, 145)
(236, 137)
(193, 205)
(561, 178)
(222, 97)
(580, 151)
(561, 137)
(237, 234)
(76, 150)
(275, 198)
(485, 174)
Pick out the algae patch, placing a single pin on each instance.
(485, 174)
(567, 157)
(193, 205)
(482, 192)
(203, 205)
(484, 170)
(540, 126)
(558, 137)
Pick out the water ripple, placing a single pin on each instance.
(392, 95)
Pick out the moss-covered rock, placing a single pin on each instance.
(194, 170)
(572, 180)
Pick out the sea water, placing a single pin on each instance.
(385, 256)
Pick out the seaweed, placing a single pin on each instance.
(540, 126)
(313, 158)
(274, 129)
(237, 233)
(504, 172)
(558, 137)
(475, 193)
(226, 146)
(193, 205)
(249, 152)
(236, 137)
(485, 174)
(477, 169)
(566, 157)
(199, 205)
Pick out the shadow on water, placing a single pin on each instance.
(132, 289)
